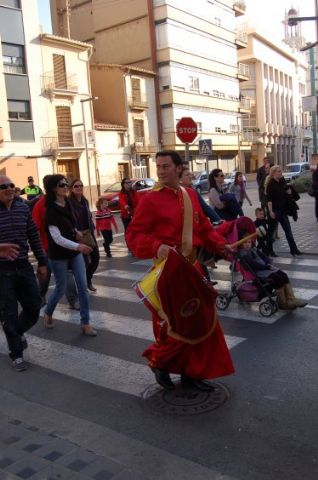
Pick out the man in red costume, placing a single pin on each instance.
(158, 227)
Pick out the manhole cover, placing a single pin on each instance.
(185, 401)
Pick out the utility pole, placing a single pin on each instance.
(68, 17)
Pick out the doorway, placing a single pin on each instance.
(68, 168)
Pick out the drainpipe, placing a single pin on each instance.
(153, 45)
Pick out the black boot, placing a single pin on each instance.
(197, 384)
(163, 378)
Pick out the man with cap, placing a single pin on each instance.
(31, 190)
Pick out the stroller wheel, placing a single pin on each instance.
(275, 307)
(267, 308)
(222, 301)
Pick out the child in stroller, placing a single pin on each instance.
(261, 280)
(261, 267)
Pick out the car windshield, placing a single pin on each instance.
(292, 168)
(115, 187)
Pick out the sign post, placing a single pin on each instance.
(205, 149)
(186, 131)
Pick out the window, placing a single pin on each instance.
(135, 89)
(217, 129)
(121, 140)
(139, 132)
(64, 126)
(59, 71)
(194, 84)
(13, 58)
(19, 110)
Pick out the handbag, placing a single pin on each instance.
(87, 238)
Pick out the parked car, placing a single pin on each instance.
(111, 193)
(294, 170)
(230, 177)
(200, 181)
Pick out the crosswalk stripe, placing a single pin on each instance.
(96, 368)
(121, 324)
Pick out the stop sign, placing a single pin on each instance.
(187, 129)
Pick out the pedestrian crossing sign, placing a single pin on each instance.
(205, 147)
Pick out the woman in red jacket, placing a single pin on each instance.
(127, 201)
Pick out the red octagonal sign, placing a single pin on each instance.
(187, 129)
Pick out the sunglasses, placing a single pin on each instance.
(62, 185)
(5, 186)
(221, 175)
(78, 186)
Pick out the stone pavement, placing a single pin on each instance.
(41, 443)
(305, 230)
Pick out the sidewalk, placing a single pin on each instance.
(305, 230)
(41, 443)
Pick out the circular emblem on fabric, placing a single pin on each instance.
(185, 401)
(190, 307)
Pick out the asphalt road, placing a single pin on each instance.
(90, 390)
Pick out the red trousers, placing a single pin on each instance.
(207, 359)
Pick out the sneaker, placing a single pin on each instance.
(19, 365)
(24, 342)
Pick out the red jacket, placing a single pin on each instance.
(38, 214)
(105, 220)
(159, 219)
(126, 210)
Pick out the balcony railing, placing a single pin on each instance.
(52, 85)
(54, 140)
(138, 103)
(245, 104)
(9, 68)
(243, 71)
(241, 38)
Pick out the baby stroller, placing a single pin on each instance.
(249, 288)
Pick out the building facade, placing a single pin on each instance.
(192, 48)
(44, 88)
(276, 125)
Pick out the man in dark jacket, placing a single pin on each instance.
(261, 174)
(17, 279)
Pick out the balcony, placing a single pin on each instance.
(245, 105)
(11, 68)
(243, 73)
(55, 140)
(53, 87)
(239, 7)
(140, 146)
(138, 103)
(241, 38)
(307, 133)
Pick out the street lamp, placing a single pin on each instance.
(83, 100)
(294, 39)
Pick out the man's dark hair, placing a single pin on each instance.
(175, 157)
(259, 209)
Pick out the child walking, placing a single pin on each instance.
(104, 223)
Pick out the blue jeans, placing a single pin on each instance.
(71, 291)
(283, 219)
(59, 269)
(18, 286)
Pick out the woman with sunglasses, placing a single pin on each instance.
(65, 251)
(225, 204)
(84, 223)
